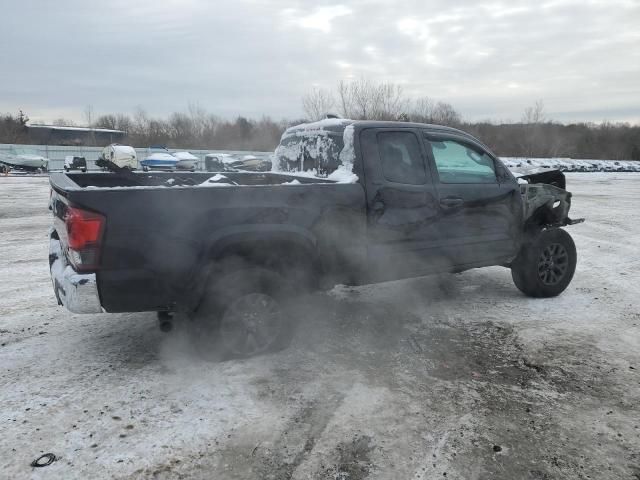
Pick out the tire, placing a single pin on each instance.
(242, 315)
(545, 267)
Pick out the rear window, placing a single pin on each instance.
(317, 151)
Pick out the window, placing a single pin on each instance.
(459, 163)
(310, 150)
(401, 158)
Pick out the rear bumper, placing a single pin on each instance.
(78, 292)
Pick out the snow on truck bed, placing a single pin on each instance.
(177, 180)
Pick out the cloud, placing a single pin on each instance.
(253, 57)
(320, 19)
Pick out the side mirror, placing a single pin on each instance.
(501, 173)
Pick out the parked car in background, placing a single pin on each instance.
(27, 159)
(186, 161)
(75, 163)
(159, 158)
(219, 162)
(225, 162)
(251, 163)
(120, 156)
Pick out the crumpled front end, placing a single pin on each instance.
(546, 205)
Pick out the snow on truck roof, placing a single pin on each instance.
(337, 125)
(321, 127)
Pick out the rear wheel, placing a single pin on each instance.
(545, 267)
(242, 315)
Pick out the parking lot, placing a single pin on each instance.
(457, 377)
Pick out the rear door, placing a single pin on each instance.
(402, 204)
(479, 200)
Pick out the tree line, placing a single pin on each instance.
(535, 135)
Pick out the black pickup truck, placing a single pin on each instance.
(349, 202)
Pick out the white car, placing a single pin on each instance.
(186, 161)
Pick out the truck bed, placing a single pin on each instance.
(74, 181)
(162, 228)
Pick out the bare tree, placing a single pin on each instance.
(534, 113)
(364, 99)
(346, 99)
(13, 129)
(422, 110)
(318, 103)
(198, 117)
(123, 122)
(533, 142)
(426, 110)
(445, 114)
(88, 115)
(391, 103)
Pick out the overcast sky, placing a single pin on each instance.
(254, 57)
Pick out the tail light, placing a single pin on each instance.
(84, 237)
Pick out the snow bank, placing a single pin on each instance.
(216, 181)
(571, 164)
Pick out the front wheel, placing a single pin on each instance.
(242, 315)
(545, 267)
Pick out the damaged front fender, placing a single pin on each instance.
(546, 204)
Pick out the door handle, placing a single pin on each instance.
(451, 202)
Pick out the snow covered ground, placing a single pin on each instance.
(572, 164)
(460, 375)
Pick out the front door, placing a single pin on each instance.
(480, 201)
(402, 204)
